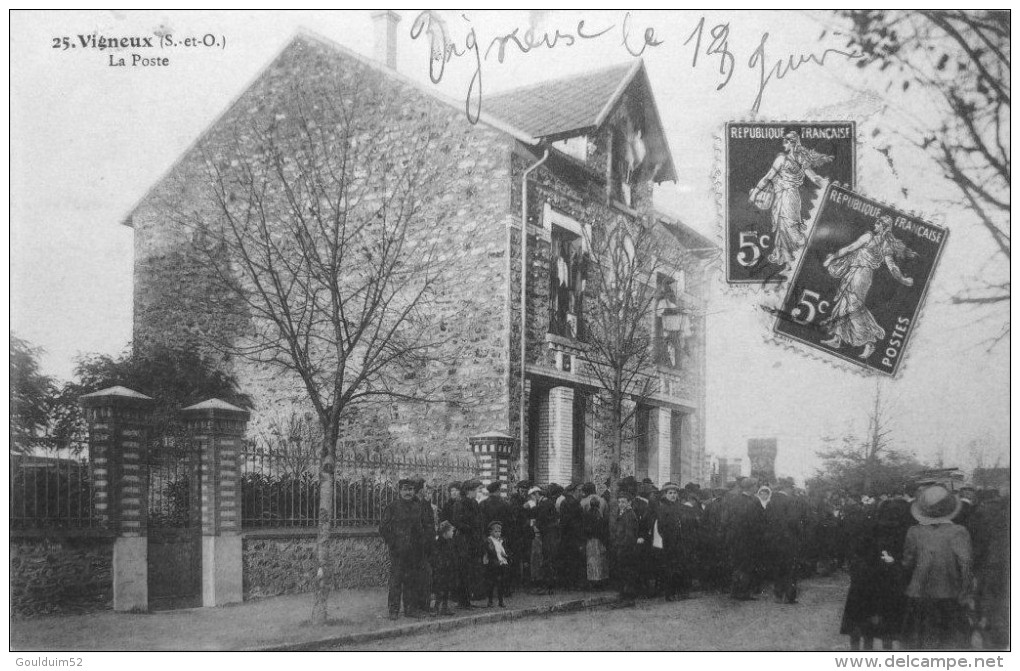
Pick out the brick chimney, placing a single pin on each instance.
(386, 37)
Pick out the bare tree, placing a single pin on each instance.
(318, 215)
(618, 338)
(867, 464)
(961, 60)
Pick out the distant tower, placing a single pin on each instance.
(762, 454)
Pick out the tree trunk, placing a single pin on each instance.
(616, 418)
(324, 565)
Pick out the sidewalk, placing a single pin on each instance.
(278, 623)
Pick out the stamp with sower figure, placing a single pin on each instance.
(861, 280)
(775, 173)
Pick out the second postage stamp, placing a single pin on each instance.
(861, 280)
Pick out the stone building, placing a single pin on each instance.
(582, 151)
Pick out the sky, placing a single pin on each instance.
(88, 139)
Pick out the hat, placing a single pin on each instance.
(555, 490)
(692, 487)
(588, 488)
(571, 488)
(645, 489)
(749, 485)
(935, 505)
(471, 484)
(453, 485)
(444, 526)
(534, 490)
(523, 484)
(495, 523)
(670, 485)
(494, 486)
(625, 494)
(406, 482)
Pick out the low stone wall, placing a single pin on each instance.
(65, 573)
(283, 561)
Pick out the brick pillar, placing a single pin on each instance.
(119, 421)
(559, 440)
(218, 428)
(664, 441)
(494, 450)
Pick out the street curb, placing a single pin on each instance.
(442, 625)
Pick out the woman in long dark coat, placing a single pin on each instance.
(670, 524)
(876, 605)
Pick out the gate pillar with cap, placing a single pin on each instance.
(494, 450)
(119, 421)
(218, 427)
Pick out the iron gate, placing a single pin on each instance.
(174, 524)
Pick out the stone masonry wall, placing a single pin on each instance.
(275, 565)
(176, 303)
(576, 192)
(60, 575)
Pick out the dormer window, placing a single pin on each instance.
(629, 156)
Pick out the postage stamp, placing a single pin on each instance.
(861, 280)
(774, 173)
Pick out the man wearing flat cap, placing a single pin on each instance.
(406, 532)
(470, 539)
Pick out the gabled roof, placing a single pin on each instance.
(562, 107)
(578, 104)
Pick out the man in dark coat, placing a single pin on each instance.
(572, 539)
(785, 524)
(446, 512)
(407, 537)
(495, 507)
(469, 541)
(547, 528)
(647, 558)
(990, 523)
(744, 528)
(624, 534)
(520, 535)
(429, 513)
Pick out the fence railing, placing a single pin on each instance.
(280, 487)
(49, 492)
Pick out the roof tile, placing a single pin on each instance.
(558, 106)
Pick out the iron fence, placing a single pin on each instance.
(51, 491)
(280, 487)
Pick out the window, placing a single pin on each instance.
(568, 266)
(629, 153)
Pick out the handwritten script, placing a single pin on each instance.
(442, 49)
(711, 44)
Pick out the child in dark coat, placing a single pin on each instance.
(444, 568)
(497, 562)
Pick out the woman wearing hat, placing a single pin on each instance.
(937, 554)
(676, 559)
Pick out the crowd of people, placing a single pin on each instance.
(485, 543)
